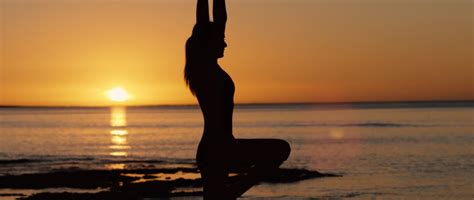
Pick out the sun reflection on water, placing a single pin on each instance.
(119, 140)
(119, 133)
(118, 117)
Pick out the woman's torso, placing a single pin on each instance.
(215, 140)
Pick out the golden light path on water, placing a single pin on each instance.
(119, 133)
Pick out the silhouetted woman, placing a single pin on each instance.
(219, 152)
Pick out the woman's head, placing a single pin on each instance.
(210, 40)
(203, 48)
(217, 47)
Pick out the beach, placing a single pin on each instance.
(339, 151)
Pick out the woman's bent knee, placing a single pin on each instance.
(280, 152)
(285, 150)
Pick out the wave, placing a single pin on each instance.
(314, 124)
(375, 124)
(199, 125)
(62, 160)
(41, 160)
(46, 165)
(19, 161)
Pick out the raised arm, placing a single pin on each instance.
(202, 11)
(220, 15)
(220, 12)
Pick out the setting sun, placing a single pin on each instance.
(118, 94)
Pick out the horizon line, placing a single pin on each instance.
(246, 104)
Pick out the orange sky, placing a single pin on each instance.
(68, 52)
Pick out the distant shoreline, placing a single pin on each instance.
(361, 104)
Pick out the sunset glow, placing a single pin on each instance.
(56, 52)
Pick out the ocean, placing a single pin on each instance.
(380, 150)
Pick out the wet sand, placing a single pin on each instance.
(124, 184)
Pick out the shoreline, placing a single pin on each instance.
(354, 104)
(125, 184)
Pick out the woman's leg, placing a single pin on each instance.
(260, 157)
(214, 179)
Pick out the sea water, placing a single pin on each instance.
(382, 151)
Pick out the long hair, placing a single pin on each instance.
(190, 67)
(197, 55)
